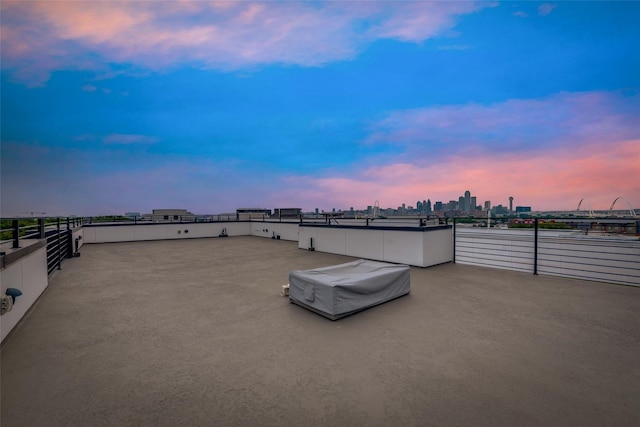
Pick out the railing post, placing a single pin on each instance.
(453, 232)
(68, 223)
(59, 245)
(41, 227)
(15, 228)
(535, 246)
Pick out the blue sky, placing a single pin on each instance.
(110, 107)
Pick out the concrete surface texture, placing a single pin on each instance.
(195, 333)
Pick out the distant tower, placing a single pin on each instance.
(510, 204)
(467, 202)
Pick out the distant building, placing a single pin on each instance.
(499, 210)
(289, 213)
(428, 206)
(172, 215)
(510, 204)
(487, 205)
(252, 213)
(521, 209)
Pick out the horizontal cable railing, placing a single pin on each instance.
(602, 249)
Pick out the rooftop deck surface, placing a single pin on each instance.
(194, 333)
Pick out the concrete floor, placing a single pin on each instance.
(194, 333)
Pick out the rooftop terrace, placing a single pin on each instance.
(194, 332)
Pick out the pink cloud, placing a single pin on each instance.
(517, 125)
(418, 21)
(546, 8)
(548, 153)
(117, 138)
(40, 37)
(551, 179)
(455, 47)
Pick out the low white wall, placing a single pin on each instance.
(286, 230)
(368, 244)
(405, 247)
(419, 248)
(160, 231)
(437, 247)
(29, 274)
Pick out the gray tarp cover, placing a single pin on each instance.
(339, 290)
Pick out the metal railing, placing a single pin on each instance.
(56, 231)
(603, 249)
(415, 221)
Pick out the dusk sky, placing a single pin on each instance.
(109, 107)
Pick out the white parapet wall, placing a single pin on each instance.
(286, 230)
(105, 233)
(28, 273)
(422, 247)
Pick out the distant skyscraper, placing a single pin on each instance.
(467, 201)
(510, 204)
(419, 206)
(428, 206)
(487, 205)
(437, 207)
(473, 203)
(462, 204)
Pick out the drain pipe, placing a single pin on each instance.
(535, 247)
(454, 240)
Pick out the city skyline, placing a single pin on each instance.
(109, 107)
